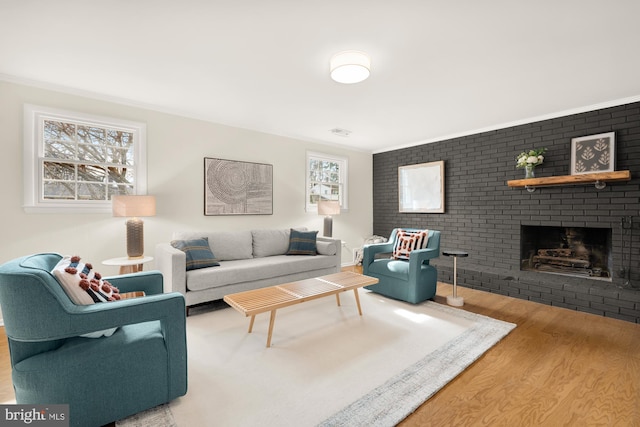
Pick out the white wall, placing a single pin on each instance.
(176, 147)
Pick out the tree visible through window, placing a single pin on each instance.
(80, 161)
(86, 162)
(326, 179)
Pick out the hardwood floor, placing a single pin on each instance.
(6, 389)
(557, 368)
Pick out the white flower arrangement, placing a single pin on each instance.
(531, 158)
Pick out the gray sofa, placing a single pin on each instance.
(248, 260)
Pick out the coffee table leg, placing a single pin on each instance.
(338, 299)
(355, 292)
(251, 323)
(272, 320)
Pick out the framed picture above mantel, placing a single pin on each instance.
(593, 153)
(421, 188)
(237, 188)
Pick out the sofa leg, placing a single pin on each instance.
(187, 311)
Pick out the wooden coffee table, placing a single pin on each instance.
(272, 298)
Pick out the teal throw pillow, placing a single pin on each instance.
(302, 242)
(198, 253)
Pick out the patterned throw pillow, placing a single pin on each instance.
(407, 241)
(198, 253)
(85, 286)
(302, 242)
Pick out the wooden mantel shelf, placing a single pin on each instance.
(587, 178)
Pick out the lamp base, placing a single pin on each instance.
(328, 226)
(135, 238)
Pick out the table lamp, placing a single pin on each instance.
(328, 208)
(134, 207)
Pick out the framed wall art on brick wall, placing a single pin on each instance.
(237, 188)
(421, 188)
(593, 153)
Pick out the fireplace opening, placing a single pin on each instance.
(571, 251)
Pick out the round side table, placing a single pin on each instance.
(128, 265)
(454, 299)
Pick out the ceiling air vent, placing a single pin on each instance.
(340, 132)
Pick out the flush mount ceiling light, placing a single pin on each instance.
(350, 66)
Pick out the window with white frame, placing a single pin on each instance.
(326, 179)
(76, 162)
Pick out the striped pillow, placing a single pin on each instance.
(85, 286)
(198, 253)
(82, 283)
(302, 242)
(407, 241)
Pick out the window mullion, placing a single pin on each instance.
(88, 145)
(330, 174)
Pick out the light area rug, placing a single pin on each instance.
(160, 416)
(327, 365)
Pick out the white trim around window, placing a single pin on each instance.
(34, 156)
(332, 180)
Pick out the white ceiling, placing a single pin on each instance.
(439, 68)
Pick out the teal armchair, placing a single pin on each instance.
(414, 280)
(142, 365)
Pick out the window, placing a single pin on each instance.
(326, 180)
(75, 161)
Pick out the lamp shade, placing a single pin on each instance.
(328, 207)
(133, 206)
(350, 66)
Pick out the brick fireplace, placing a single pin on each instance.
(572, 251)
(485, 217)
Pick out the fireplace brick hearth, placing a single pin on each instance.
(484, 216)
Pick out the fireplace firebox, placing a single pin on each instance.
(571, 251)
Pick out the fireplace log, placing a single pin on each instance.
(565, 262)
(556, 252)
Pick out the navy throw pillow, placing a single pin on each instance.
(198, 253)
(302, 242)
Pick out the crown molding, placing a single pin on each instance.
(563, 113)
(152, 107)
(94, 95)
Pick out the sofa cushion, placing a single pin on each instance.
(256, 269)
(226, 245)
(198, 253)
(302, 242)
(270, 242)
(407, 241)
(398, 269)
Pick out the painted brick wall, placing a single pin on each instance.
(483, 216)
